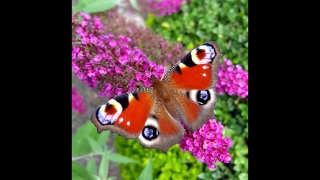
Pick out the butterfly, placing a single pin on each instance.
(153, 114)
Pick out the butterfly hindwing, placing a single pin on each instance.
(161, 131)
(205, 100)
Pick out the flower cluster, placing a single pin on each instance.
(160, 8)
(106, 61)
(78, 104)
(165, 7)
(207, 144)
(232, 80)
(144, 38)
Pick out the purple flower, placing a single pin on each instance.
(108, 62)
(164, 7)
(232, 80)
(207, 143)
(78, 104)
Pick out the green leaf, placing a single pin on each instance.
(76, 8)
(112, 178)
(121, 159)
(147, 171)
(100, 6)
(79, 172)
(96, 177)
(202, 176)
(104, 165)
(80, 144)
(103, 137)
(134, 4)
(85, 2)
(95, 146)
(243, 176)
(91, 166)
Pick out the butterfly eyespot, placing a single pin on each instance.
(203, 97)
(150, 133)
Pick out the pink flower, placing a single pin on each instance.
(107, 62)
(232, 80)
(164, 7)
(78, 104)
(207, 143)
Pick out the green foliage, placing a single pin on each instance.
(225, 22)
(176, 164)
(87, 143)
(232, 111)
(94, 6)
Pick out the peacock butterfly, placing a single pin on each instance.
(153, 114)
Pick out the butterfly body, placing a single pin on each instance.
(153, 114)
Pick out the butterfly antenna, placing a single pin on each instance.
(158, 61)
(159, 56)
(132, 69)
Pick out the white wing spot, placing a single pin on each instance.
(205, 67)
(120, 120)
(204, 74)
(128, 123)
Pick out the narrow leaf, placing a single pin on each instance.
(79, 172)
(91, 166)
(134, 4)
(96, 177)
(121, 159)
(104, 165)
(103, 137)
(147, 171)
(95, 146)
(80, 144)
(100, 6)
(112, 178)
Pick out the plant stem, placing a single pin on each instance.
(86, 156)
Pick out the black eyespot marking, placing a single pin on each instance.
(203, 97)
(155, 117)
(208, 44)
(99, 120)
(123, 100)
(187, 93)
(97, 113)
(135, 95)
(108, 106)
(150, 133)
(187, 60)
(178, 69)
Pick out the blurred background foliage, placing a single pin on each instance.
(224, 21)
(197, 21)
(175, 165)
